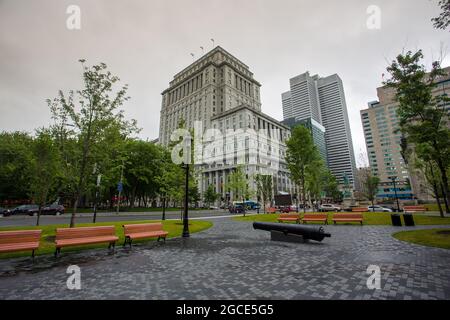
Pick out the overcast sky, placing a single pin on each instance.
(146, 42)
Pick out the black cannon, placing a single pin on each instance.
(292, 232)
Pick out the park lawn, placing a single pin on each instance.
(439, 238)
(370, 218)
(47, 246)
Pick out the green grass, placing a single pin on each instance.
(430, 238)
(433, 207)
(370, 218)
(47, 245)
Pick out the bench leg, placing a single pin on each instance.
(113, 246)
(159, 238)
(57, 252)
(32, 255)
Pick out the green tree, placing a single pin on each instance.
(370, 185)
(87, 114)
(443, 21)
(210, 195)
(301, 157)
(423, 116)
(142, 166)
(423, 162)
(44, 169)
(169, 181)
(315, 181)
(15, 165)
(330, 187)
(238, 185)
(264, 188)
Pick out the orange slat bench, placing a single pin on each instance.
(69, 237)
(359, 209)
(20, 240)
(348, 217)
(315, 218)
(143, 231)
(289, 218)
(414, 209)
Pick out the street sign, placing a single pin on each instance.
(120, 186)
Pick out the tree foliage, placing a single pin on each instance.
(370, 185)
(264, 188)
(424, 118)
(87, 117)
(443, 21)
(15, 165)
(302, 157)
(210, 195)
(44, 170)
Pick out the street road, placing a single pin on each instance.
(23, 220)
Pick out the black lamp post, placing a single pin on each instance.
(186, 204)
(395, 191)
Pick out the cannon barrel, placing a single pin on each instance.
(307, 232)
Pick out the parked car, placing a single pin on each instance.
(29, 209)
(236, 209)
(288, 209)
(379, 209)
(4, 212)
(55, 209)
(329, 208)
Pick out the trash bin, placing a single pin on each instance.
(396, 220)
(409, 220)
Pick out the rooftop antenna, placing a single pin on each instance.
(212, 40)
(193, 56)
(203, 50)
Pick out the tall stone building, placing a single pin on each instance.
(383, 141)
(321, 101)
(218, 95)
(212, 85)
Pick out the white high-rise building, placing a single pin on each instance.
(323, 100)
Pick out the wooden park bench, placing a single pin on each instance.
(20, 240)
(289, 218)
(143, 231)
(348, 217)
(69, 237)
(271, 210)
(412, 209)
(359, 209)
(315, 217)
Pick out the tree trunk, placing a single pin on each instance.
(443, 172)
(164, 209)
(446, 202)
(74, 211)
(39, 215)
(303, 196)
(436, 194)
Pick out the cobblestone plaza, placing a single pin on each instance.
(233, 261)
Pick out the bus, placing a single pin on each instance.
(249, 205)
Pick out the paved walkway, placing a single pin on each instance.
(233, 261)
